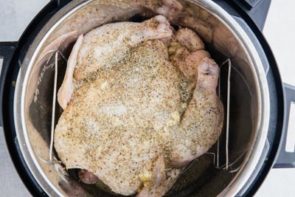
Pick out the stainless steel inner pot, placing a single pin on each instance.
(249, 114)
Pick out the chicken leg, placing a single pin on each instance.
(67, 88)
(161, 180)
(203, 119)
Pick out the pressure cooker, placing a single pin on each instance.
(257, 103)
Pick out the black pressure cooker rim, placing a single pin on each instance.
(276, 128)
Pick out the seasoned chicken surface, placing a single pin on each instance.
(137, 118)
(122, 116)
(106, 46)
(99, 51)
(100, 12)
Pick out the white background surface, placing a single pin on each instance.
(279, 31)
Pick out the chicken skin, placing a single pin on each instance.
(139, 112)
(96, 51)
(114, 125)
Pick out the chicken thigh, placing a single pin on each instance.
(202, 121)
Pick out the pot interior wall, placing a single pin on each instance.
(203, 177)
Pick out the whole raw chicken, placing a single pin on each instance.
(139, 104)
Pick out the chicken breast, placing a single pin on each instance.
(114, 126)
(138, 121)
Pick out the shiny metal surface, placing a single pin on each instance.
(218, 29)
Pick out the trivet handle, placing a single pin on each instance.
(286, 156)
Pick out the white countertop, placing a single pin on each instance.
(279, 31)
